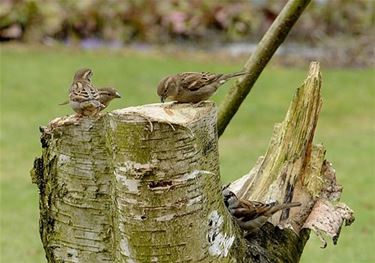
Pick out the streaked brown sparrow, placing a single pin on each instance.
(106, 95)
(83, 96)
(192, 87)
(251, 215)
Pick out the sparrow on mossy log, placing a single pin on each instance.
(251, 215)
(83, 96)
(106, 95)
(192, 87)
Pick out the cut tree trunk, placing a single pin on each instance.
(137, 185)
(142, 184)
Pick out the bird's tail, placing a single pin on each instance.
(64, 103)
(283, 206)
(232, 75)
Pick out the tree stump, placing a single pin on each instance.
(142, 184)
(137, 185)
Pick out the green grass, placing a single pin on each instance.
(33, 82)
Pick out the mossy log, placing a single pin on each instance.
(142, 184)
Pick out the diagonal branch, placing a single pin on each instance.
(274, 37)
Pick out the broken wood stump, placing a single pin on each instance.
(142, 184)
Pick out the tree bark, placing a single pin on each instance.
(294, 169)
(142, 184)
(274, 37)
(137, 185)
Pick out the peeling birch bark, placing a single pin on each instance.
(139, 184)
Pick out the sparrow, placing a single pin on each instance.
(192, 87)
(251, 215)
(83, 96)
(106, 95)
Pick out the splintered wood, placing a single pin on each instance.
(293, 169)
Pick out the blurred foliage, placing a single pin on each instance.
(35, 79)
(156, 21)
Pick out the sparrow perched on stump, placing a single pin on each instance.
(106, 95)
(192, 87)
(83, 96)
(251, 215)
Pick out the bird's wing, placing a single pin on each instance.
(244, 210)
(255, 209)
(195, 80)
(82, 91)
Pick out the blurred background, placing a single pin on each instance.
(132, 44)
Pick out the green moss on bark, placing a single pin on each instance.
(135, 186)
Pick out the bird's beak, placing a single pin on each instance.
(117, 95)
(162, 99)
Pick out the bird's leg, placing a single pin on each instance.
(97, 116)
(78, 116)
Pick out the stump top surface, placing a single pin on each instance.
(179, 113)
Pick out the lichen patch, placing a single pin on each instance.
(219, 242)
